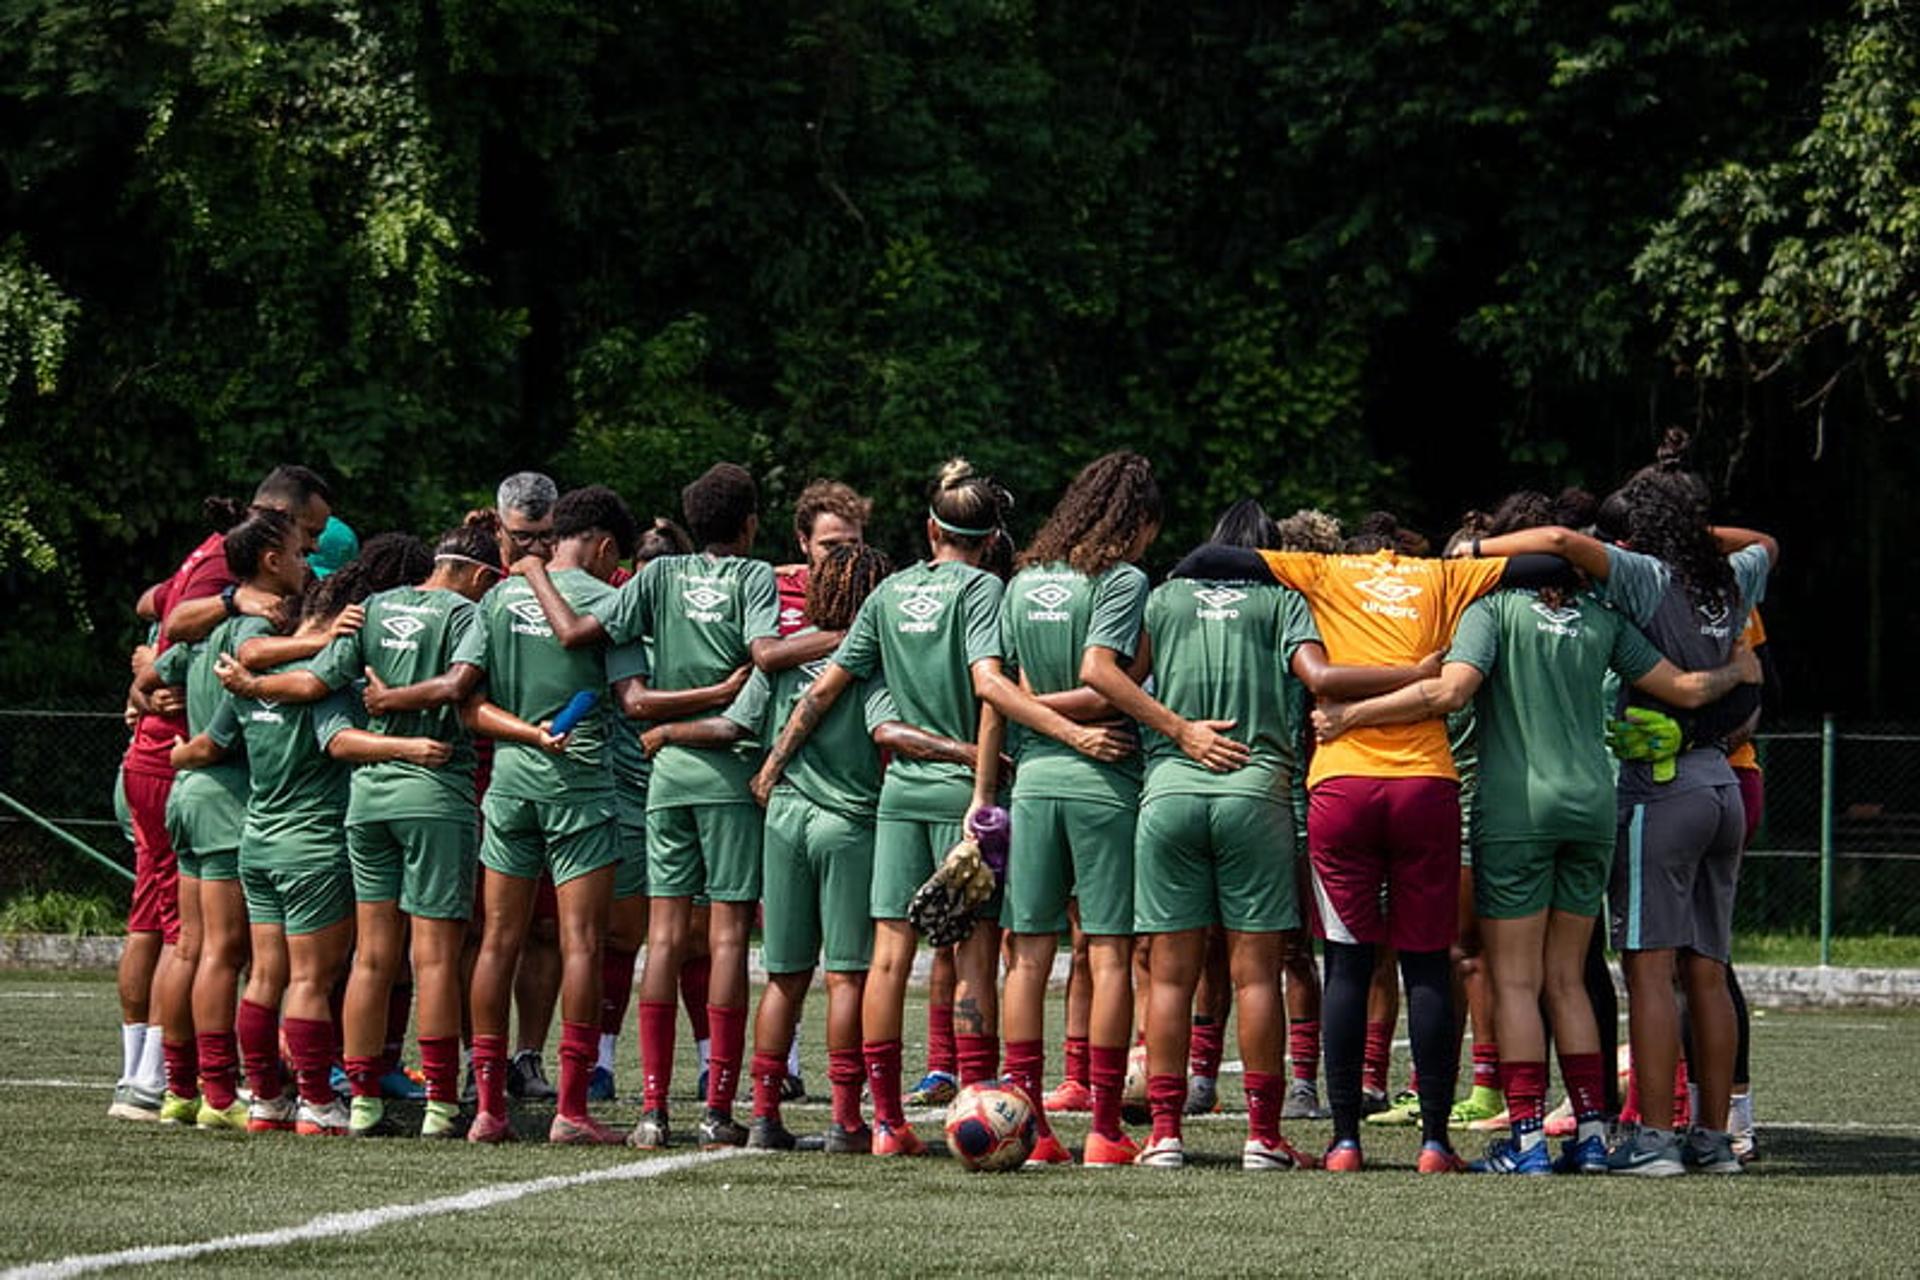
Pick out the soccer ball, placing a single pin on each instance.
(990, 1126)
(1133, 1094)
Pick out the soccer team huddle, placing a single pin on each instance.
(357, 778)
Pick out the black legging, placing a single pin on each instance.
(1428, 978)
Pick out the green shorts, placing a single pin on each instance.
(630, 881)
(526, 837)
(427, 864)
(206, 812)
(905, 852)
(1515, 878)
(304, 897)
(712, 850)
(1207, 860)
(1063, 849)
(819, 870)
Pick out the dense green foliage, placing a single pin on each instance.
(1406, 253)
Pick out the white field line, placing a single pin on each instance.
(104, 1086)
(46, 995)
(334, 1226)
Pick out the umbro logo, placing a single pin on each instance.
(1388, 590)
(1715, 615)
(528, 611)
(1219, 597)
(1559, 617)
(815, 669)
(1049, 595)
(403, 627)
(921, 608)
(704, 598)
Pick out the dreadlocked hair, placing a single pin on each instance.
(962, 498)
(1101, 515)
(1381, 531)
(477, 537)
(247, 542)
(1666, 509)
(843, 581)
(386, 561)
(1309, 529)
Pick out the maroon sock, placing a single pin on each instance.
(1077, 1059)
(616, 988)
(1026, 1068)
(1303, 1047)
(1373, 1069)
(769, 1073)
(440, 1062)
(1265, 1092)
(1167, 1096)
(1586, 1085)
(1682, 1107)
(1106, 1073)
(883, 1078)
(846, 1072)
(695, 976)
(363, 1076)
(1208, 1043)
(217, 1052)
(1525, 1084)
(979, 1058)
(723, 1060)
(183, 1067)
(579, 1046)
(1413, 1079)
(656, 1053)
(399, 1013)
(310, 1041)
(941, 1053)
(1630, 1105)
(257, 1030)
(1486, 1065)
(490, 1073)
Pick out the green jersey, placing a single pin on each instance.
(702, 614)
(631, 769)
(924, 628)
(410, 635)
(1545, 772)
(192, 665)
(295, 789)
(1049, 617)
(838, 767)
(1222, 651)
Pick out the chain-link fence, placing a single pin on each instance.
(1840, 842)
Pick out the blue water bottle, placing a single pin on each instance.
(575, 711)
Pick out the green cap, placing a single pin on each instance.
(336, 545)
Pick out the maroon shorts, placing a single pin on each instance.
(1753, 798)
(156, 872)
(1386, 860)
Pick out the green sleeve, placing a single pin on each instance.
(749, 707)
(224, 728)
(859, 653)
(627, 614)
(880, 708)
(1119, 607)
(1751, 565)
(1633, 654)
(333, 714)
(1634, 583)
(760, 603)
(625, 660)
(981, 599)
(1297, 626)
(1476, 641)
(470, 645)
(340, 663)
(1010, 634)
(172, 665)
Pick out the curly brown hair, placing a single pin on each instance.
(1666, 512)
(1100, 516)
(829, 498)
(843, 581)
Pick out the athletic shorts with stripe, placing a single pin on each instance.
(1676, 868)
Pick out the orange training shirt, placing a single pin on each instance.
(1745, 756)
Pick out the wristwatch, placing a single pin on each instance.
(227, 600)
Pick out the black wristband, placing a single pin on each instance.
(1476, 548)
(227, 594)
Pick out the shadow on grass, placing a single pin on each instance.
(1841, 1153)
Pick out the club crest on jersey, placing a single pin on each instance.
(1049, 596)
(1216, 603)
(815, 669)
(532, 619)
(1390, 596)
(1560, 621)
(401, 631)
(266, 711)
(922, 609)
(705, 603)
(1714, 620)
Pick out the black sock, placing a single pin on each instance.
(1436, 1046)
(1744, 1026)
(1343, 1031)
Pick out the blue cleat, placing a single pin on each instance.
(1507, 1156)
(1582, 1155)
(936, 1089)
(399, 1083)
(600, 1085)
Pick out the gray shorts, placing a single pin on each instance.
(1676, 866)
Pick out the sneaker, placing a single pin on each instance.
(847, 1142)
(768, 1134)
(1403, 1109)
(1373, 1101)
(490, 1129)
(719, 1129)
(1582, 1155)
(936, 1089)
(131, 1102)
(443, 1122)
(272, 1115)
(1048, 1152)
(1162, 1153)
(1436, 1157)
(1069, 1096)
(1478, 1108)
(323, 1120)
(1262, 1156)
(1507, 1156)
(793, 1089)
(1343, 1157)
(582, 1131)
(526, 1078)
(600, 1086)
(903, 1141)
(653, 1133)
(1746, 1145)
(1647, 1153)
(176, 1111)
(232, 1120)
(1561, 1122)
(1303, 1102)
(1203, 1095)
(406, 1086)
(1710, 1151)
(1109, 1153)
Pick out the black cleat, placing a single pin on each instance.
(768, 1134)
(793, 1089)
(719, 1129)
(848, 1142)
(652, 1133)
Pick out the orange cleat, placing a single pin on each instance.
(1048, 1151)
(1261, 1156)
(1435, 1159)
(582, 1131)
(1342, 1157)
(1108, 1153)
(1069, 1095)
(902, 1141)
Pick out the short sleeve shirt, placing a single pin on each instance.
(294, 786)
(203, 573)
(837, 767)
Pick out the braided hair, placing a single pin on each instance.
(1100, 517)
(845, 578)
(386, 561)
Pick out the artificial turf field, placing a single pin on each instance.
(1837, 1190)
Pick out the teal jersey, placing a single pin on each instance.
(837, 767)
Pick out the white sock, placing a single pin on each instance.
(1530, 1139)
(609, 1051)
(1740, 1113)
(793, 1055)
(1693, 1106)
(701, 1048)
(1593, 1129)
(152, 1071)
(133, 1042)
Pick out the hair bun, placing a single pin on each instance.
(1676, 446)
(954, 473)
(223, 513)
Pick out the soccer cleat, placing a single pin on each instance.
(527, 1078)
(653, 1133)
(1404, 1109)
(582, 1131)
(1507, 1156)
(1436, 1157)
(1582, 1155)
(1109, 1153)
(768, 1134)
(1476, 1110)
(407, 1086)
(322, 1120)
(131, 1102)
(936, 1089)
(1710, 1151)
(442, 1122)
(1048, 1152)
(1262, 1156)
(840, 1141)
(903, 1141)
(369, 1119)
(600, 1085)
(1746, 1145)
(1561, 1122)
(1343, 1157)
(1373, 1101)
(1162, 1153)
(272, 1115)
(1203, 1096)
(232, 1120)
(1069, 1096)
(1647, 1153)
(176, 1111)
(1303, 1102)
(490, 1129)
(793, 1089)
(719, 1129)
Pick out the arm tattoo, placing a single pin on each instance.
(806, 716)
